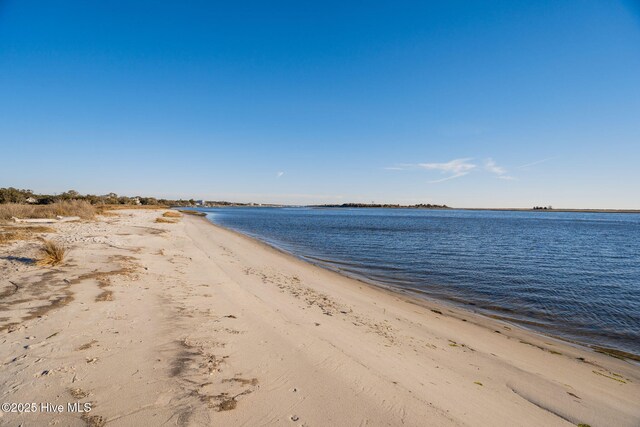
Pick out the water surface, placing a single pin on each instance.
(574, 275)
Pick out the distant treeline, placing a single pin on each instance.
(376, 205)
(14, 195)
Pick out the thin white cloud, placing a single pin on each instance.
(491, 166)
(435, 181)
(401, 167)
(456, 168)
(279, 174)
(535, 163)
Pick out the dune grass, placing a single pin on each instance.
(165, 220)
(169, 217)
(12, 233)
(172, 214)
(51, 253)
(79, 208)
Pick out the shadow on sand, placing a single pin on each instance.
(23, 260)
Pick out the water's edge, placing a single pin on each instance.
(444, 300)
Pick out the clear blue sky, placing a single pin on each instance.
(472, 104)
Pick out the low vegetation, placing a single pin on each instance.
(78, 208)
(109, 201)
(171, 214)
(51, 253)
(12, 233)
(165, 220)
(21, 196)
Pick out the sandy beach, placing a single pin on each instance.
(187, 323)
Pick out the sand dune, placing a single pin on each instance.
(187, 323)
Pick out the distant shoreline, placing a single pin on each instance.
(552, 210)
(11, 196)
(420, 208)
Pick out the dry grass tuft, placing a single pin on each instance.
(12, 233)
(79, 208)
(165, 221)
(171, 214)
(51, 253)
(10, 236)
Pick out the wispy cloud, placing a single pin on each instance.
(279, 174)
(491, 166)
(435, 181)
(402, 167)
(454, 168)
(526, 165)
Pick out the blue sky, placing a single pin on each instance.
(472, 104)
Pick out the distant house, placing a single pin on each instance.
(199, 202)
(136, 201)
(31, 200)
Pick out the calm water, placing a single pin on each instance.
(575, 275)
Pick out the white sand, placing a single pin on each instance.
(191, 324)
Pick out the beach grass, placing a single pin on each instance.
(12, 233)
(51, 253)
(78, 208)
(172, 214)
(162, 220)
